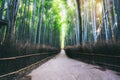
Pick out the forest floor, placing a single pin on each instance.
(63, 68)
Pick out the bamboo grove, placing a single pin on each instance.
(30, 21)
(60, 22)
(100, 20)
(43, 22)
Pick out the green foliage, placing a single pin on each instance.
(31, 15)
(38, 21)
(0, 3)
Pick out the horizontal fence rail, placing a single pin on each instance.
(20, 70)
(106, 64)
(107, 61)
(13, 65)
(93, 54)
(17, 57)
(102, 63)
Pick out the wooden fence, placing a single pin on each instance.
(13, 68)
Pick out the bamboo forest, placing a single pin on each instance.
(37, 36)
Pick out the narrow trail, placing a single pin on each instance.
(63, 68)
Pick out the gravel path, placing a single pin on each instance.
(63, 68)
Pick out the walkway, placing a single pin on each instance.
(63, 68)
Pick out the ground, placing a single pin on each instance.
(63, 68)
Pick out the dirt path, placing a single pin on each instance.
(63, 68)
